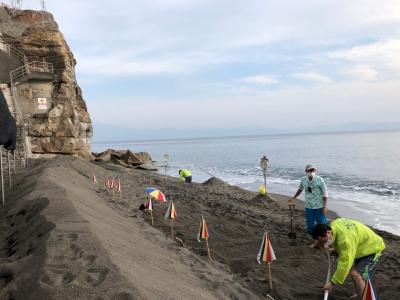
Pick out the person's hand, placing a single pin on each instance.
(324, 210)
(291, 201)
(328, 287)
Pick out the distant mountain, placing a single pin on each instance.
(112, 133)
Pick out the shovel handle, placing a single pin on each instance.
(326, 295)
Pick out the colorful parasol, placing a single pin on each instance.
(266, 255)
(157, 195)
(369, 292)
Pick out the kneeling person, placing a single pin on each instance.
(185, 175)
(358, 247)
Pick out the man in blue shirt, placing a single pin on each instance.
(316, 198)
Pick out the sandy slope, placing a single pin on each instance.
(62, 239)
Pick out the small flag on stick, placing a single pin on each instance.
(171, 215)
(266, 255)
(369, 292)
(150, 207)
(203, 234)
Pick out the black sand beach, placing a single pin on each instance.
(62, 239)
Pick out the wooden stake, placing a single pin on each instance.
(270, 275)
(152, 221)
(208, 250)
(172, 228)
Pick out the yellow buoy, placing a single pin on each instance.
(262, 190)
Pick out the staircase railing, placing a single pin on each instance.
(34, 66)
(13, 52)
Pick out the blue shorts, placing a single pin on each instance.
(314, 216)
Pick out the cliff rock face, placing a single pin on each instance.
(53, 109)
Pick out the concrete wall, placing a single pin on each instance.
(35, 97)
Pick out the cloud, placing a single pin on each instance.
(261, 80)
(384, 53)
(312, 76)
(363, 73)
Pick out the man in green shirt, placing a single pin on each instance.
(185, 175)
(358, 247)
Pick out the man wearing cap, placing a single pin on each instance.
(316, 198)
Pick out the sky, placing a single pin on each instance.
(225, 64)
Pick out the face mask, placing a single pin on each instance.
(310, 174)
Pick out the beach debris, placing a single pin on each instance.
(266, 255)
(291, 234)
(171, 215)
(150, 208)
(204, 235)
(369, 292)
(158, 195)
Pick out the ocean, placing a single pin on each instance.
(361, 170)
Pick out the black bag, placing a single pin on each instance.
(8, 128)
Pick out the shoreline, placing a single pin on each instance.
(66, 239)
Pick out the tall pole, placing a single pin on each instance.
(166, 160)
(264, 165)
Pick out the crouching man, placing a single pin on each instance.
(358, 247)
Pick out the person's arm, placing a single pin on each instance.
(299, 191)
(347, 253)
(324, 196)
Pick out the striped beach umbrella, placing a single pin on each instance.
(158, 195)
(203, 231)
(107, 183)
(171, 215)
(266, 255)
(171, 212)
(149, 190)
(369, 293)
(204, 235)
(149, 205)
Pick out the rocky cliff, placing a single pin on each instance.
(53, 109)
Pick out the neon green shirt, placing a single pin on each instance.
(184, 173)
(353, 240)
